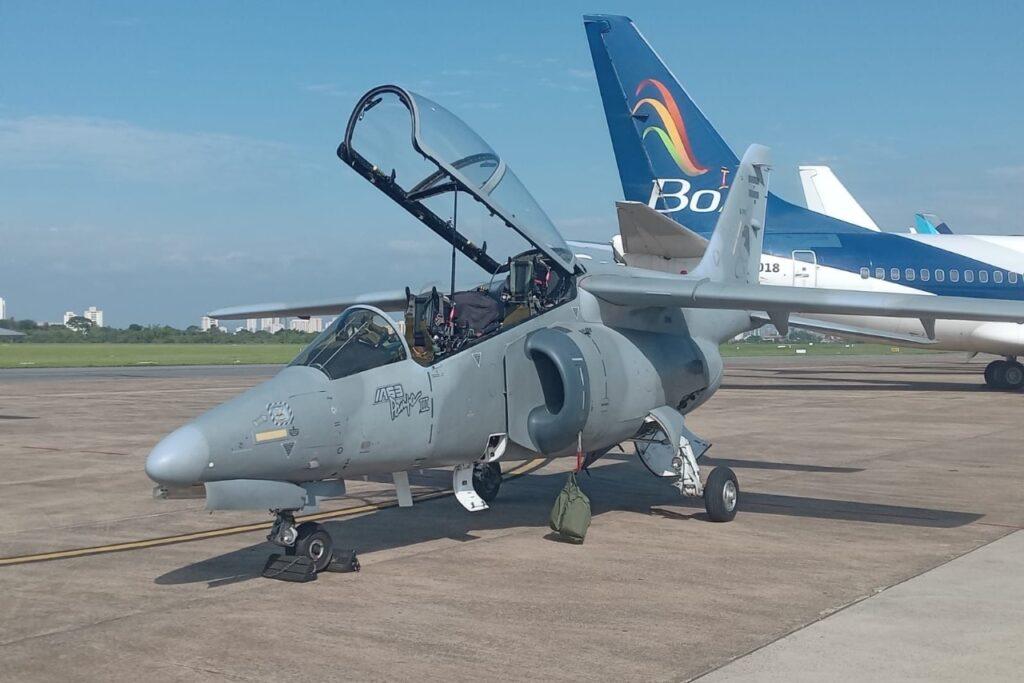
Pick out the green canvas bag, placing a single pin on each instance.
(570, 516)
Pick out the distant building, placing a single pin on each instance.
(310, 325)
(271, 325)
(95, 315)
(68, 315)
(251, 324)
(3, 309)
(206, 323)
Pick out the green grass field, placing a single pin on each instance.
(24, 355)
(815, 349)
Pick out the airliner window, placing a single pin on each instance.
(865, 273)
(997, 277)
(925, 275)
(954, 276)
(880, 273)
(909, 272)
(1012, 278)
(358, 340)
(894, 273)
(982, 276)
(940, 275)
(968, 276)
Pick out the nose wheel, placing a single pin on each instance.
(313, 542)
(308, 550)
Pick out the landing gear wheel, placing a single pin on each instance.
(995, 373)
(721, 495)
(1013, 376)
(487, 480)
(315, 543)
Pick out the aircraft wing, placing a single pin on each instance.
(386, 301)
(642, 290)
(830, 327)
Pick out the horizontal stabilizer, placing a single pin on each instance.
(386, 301)
(825, 194)
(829, 327)
(646, 231)
(650, 290)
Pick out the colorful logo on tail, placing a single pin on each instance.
(672, 131)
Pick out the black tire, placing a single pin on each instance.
(994, 373)
(315, 543)
(1013, 376)
(721, 495)
(487, 480)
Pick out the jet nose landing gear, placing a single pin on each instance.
(308, 550)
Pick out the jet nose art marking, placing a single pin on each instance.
(180, 458)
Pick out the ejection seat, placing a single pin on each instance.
(424, 314)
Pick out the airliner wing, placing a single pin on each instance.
(386, 301)
(644, 290)
(830, 327)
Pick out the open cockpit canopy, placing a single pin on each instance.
(446, 164)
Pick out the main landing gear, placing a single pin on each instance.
(308, 550)
(1007, 375)
(487, 480)
(721, 495)
(668, 449)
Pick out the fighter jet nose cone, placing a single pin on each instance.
(180, 458)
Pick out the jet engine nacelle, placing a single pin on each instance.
(564, 382)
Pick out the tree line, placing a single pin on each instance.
(82, 331)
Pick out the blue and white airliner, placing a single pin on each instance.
(676, 170)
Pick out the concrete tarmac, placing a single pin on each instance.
(857, 474)
(960, 622)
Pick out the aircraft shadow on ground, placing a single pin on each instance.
(973, 371)
(834, 384)
(619, 486)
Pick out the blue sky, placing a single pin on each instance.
(162, 159)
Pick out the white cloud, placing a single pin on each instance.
(129, 151)
(331, 89)
(1011, 173)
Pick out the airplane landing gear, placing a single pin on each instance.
(721, 495)
(487, 480)
(313, 542)
(1005, 374)
(308, 550)
(284, 532)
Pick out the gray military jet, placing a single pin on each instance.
(552, 354)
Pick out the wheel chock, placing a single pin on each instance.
(294, 568)
(343, 561)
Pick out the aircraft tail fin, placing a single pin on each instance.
(734, 252)
(930, 224)
(825, 194)
(668, 154)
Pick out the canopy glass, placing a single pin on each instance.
(430, 162)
